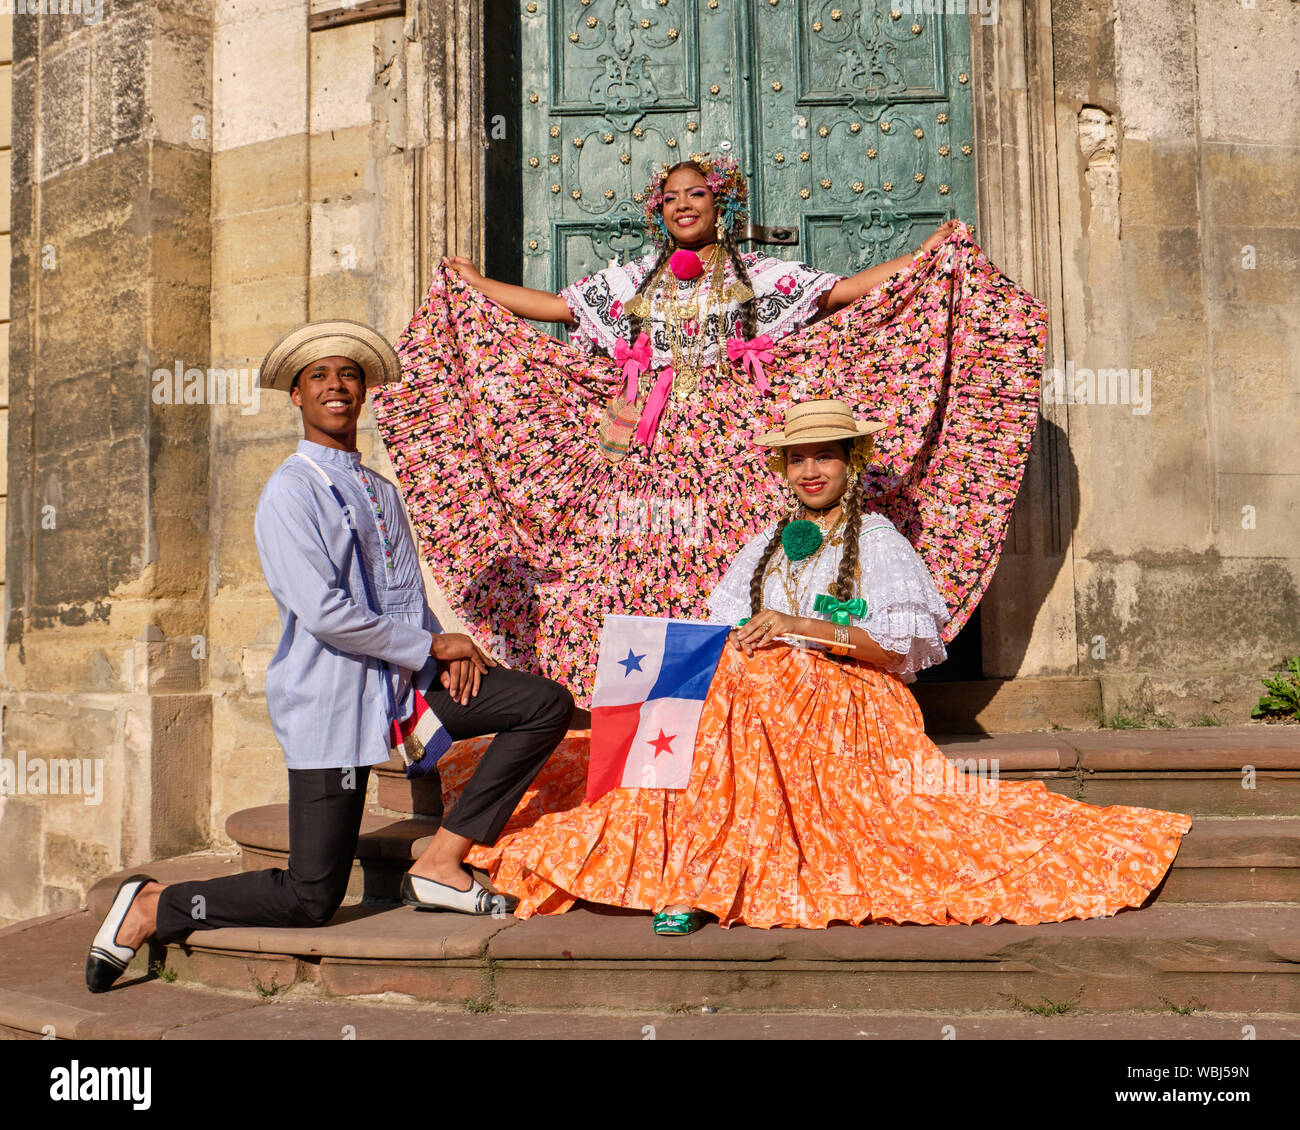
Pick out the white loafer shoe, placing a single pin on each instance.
(108, 959)
(426, 894)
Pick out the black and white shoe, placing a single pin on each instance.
(426, 894)
(108, 959)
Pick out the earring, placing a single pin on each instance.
(793, 506)
(718, 229)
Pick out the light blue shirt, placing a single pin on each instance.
(323, 687)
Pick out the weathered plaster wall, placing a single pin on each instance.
(1179, 153)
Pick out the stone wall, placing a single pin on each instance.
(312, 217)
(6, 168)
(107, 567)
(1179, 153)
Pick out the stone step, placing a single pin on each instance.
(42, 994)
(1222, 859)
(1238, 958)
(1202, 771)
(990, 705)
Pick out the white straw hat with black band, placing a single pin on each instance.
(814, 421)
(335, 337)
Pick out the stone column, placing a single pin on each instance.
(107, 545)
(1027, 617)
(445, 84)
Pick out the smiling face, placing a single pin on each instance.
(818, 473)
(331, 393)
(690, 211)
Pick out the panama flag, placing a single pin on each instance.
(651, 679)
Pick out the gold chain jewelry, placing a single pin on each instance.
(688, 349)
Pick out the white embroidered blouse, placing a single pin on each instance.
(904, 609)
(785, 294)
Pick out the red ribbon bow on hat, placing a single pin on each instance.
(635, 360)
(754, 354)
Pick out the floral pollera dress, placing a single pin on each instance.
(533, 536)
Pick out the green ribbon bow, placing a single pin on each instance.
(840, 610)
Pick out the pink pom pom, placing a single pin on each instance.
(686, 265)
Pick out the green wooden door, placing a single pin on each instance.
(852, 121)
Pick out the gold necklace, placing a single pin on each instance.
(688, 349)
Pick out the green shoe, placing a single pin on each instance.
(678, 921)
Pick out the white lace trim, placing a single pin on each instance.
(905, 612)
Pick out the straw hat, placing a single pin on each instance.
(333, 338)
(816, 420)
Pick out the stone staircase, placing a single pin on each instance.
(1222, 932)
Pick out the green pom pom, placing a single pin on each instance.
(801, 539)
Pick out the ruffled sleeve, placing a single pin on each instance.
(596, 302)
(905, 612)
(729, 601)
(786, 293)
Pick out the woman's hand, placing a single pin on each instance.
(464, 664)
(537, 305)
(855, 286)
(465, 269)
(936, 237)
(760, 630)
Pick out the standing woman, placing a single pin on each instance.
(604, 475)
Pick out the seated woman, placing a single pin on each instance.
(815, 796)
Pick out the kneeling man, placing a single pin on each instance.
(341, 563)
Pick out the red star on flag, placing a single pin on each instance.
(663, 743)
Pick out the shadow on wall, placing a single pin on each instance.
(962, 692)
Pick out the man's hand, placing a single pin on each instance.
(760, 630)
(464, 664)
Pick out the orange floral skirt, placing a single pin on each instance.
(816, 797)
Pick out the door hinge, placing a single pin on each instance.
(787, 236)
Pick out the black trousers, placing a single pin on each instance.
(529, 715)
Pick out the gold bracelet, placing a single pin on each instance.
(841, 645)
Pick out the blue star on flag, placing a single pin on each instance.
(632, 662)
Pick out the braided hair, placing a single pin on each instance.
(748, 308)
(648, 285)
(842, 587)
(756, 581)
(855, 455)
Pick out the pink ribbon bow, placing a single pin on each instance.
(635, 360)
(754, 354)
(654, 407)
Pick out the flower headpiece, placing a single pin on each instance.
(725, 180)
